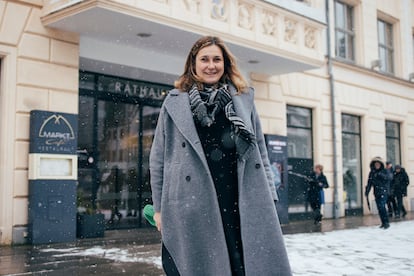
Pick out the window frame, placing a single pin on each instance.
(349, 14)
(358, 133)
(387, 45)
(394, 138)
(310, 128)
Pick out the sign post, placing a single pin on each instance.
(52, 177)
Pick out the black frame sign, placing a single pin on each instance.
(53, 132)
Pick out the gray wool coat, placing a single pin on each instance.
(183, 191)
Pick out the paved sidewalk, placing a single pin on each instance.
(127, 252)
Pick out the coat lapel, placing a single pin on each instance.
(178, 107)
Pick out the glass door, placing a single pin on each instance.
(351, 160)
(115, 139)
(117, 119)
(117, 163)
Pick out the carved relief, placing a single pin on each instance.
(246, 16)
(192, 5)
(310, 37)
(269, 23)
(290, 31)
(219, 9)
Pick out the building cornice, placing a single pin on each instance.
(373, 73)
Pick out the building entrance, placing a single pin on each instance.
(117, 119)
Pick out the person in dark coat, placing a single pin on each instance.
(399, 184)
(379, 181)
(316, 183)
(391, 203)
(212, 186)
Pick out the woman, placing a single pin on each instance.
(212, 185)
(399, 186)
(317, 182)
(379, 180)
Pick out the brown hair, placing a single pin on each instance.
(319, 166)
(231, 72)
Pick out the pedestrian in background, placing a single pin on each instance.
(379, 181)
(400, 183)
(391, 203)
(316, 183)
(212, 185)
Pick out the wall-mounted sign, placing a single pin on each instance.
(132, 88)
(53, 171)
(53, 133)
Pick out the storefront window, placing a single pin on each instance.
(351, 161)
(299, 123)
(300, 159)
(117, 119)
(393, 142)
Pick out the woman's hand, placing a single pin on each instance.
(157, 219)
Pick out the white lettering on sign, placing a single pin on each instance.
(142, 91)
(56, 135)
(277, 143)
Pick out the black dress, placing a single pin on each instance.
(220, 151)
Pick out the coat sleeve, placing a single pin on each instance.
(369, 183)
(156, 162)
(263, 153)
(325, 183)
(406, 178)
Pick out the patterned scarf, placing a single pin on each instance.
(205, 105)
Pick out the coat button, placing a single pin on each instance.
(188, 178)
(257, 166)
(183, 144)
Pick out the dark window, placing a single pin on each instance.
(351, 162)
(392, 135)
(385, 46)
(117, 119)
(344, 31)
(299, 123)
(300, 159)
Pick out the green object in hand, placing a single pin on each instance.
(149, 214)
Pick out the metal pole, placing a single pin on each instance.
(333, 111)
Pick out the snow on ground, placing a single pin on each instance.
(362, 251)
(134, 253)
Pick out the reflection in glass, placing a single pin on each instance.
(298, 116)
(385, 46)
(300, 162)
(299, 144)
(339, 15)
(344, 31)
(114, 143)
(393, 142)
(351, 161)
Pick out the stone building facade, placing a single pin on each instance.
(338, 103)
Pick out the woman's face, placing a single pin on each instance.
(209, 64)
